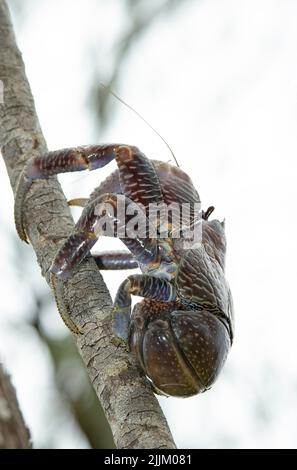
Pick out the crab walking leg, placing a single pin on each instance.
(78, 202)
(110, 260)
(138, 176)
(115, 260)
(88, 229)
(85, 235)
(52, 163)
(88, 157)
(143, 286)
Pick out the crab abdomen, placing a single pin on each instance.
(181, 352)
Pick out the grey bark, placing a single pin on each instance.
(13, 431)
(130, 406)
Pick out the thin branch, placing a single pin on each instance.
(130, 406)
(13, 431)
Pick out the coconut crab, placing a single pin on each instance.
(182, 330)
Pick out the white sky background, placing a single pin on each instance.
(218, 79)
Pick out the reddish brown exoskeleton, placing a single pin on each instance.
(183, 329)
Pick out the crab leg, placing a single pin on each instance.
(87, 231)
(88, 157)
(84, 237)
(138, 176)
(112, 260)
(143, 286)
(78, 202)
(52, 163)
(115, 260)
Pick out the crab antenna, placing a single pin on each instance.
(142, 118)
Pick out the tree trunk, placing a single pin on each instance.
(13, 431)
(130, 406)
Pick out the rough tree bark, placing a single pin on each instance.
(130, 406)
(13, 431)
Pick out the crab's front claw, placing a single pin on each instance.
(143, 286)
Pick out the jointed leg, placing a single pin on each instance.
(138, 176)
(207, 213)
(88, 157)
(78, 202)
(60, 161)
(144, 286)
(88, 229)
(115, 260)
(138, 181)
(112, 260)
